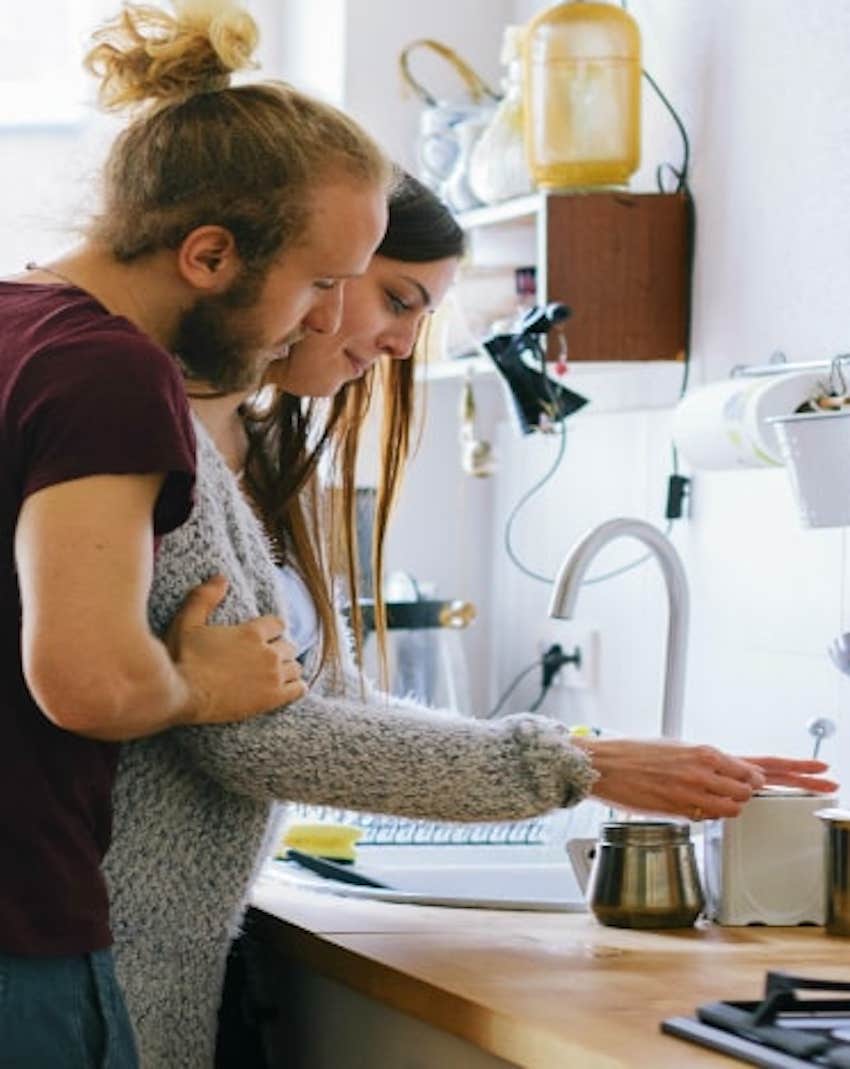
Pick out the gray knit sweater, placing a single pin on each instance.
(192, 804)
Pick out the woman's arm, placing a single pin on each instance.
(396, 758)
(375, 753)
(359, 751)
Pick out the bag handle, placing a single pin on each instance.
(475, 84)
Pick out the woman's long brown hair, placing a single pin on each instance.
(313, 525)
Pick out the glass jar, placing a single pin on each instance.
(498, 168)
(582, 71)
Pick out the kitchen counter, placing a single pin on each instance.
(535, 989)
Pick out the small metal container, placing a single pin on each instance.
(645, 876)
(837, 830)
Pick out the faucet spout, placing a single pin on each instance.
(573, 570)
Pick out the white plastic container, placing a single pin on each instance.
(816, 449)
(767, 865)
(727, 424)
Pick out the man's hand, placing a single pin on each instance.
(84, 556)
(232, 672)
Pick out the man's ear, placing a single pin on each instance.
(207, 259)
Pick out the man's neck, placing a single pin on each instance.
(148, 292)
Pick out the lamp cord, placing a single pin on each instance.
(513, 556)
(518, 678)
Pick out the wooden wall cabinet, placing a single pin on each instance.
(619, 260)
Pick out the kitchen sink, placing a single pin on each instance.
(483, 877)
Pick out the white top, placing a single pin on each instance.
(302, 620)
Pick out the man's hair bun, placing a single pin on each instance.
(149, 55)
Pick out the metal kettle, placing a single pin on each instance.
(645, 876)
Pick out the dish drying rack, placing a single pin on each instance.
(381, 830)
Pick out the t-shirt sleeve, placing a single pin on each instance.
(113, 405)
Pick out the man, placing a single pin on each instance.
(231, 219)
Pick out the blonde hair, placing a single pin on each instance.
(201, 151)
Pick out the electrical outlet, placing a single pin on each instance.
(569, 635)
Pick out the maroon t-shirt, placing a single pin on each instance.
(82, 392)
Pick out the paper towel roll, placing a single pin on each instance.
(724, 425)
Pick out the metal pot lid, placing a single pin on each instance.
(644, 833)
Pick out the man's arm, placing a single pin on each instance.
(84, 555)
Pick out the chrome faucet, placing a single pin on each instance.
(573, 570)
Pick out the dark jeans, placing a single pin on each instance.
(63, 1013)
(242, 1013)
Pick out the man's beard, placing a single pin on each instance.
(217, 344)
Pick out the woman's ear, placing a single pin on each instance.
(208, 260)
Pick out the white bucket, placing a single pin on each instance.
(726, 424)
(816, 448)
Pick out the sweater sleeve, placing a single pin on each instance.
(396, 757)
(358, 748)
(350, 747)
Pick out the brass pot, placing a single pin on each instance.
(645, 876)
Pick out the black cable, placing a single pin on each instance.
(508, 539)
(690, 258)
(532, 342)
(516, 682)
(690, 238)
(509, 549)
(682, 173)
(552, 661)
(690, 233)
(535, 705)
(681, 176)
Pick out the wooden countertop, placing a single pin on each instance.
(542, 990)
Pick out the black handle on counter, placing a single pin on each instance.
(331, 870)
(419, 615)
(740, 1022)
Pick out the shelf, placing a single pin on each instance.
(443, 370)
(619, 260)
(506, 212)
(612, 386)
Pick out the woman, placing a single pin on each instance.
(191, 807)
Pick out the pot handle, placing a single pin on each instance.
(582, 854)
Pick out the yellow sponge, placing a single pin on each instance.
(335, 841)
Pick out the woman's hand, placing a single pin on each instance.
(790, 772)
(696, 782)
(666, 776)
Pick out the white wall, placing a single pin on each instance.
(49, 173)
(761, 86)
(320, 68)
(378, 30)
(347, 51)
